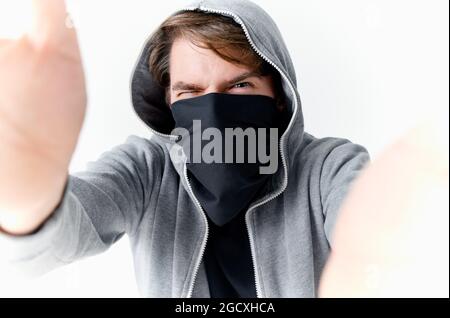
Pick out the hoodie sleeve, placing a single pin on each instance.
(340, 168)
(99, 205)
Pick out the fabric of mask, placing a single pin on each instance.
(224, 189)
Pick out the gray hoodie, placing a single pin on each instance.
(139, 190)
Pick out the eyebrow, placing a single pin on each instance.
(183, 86)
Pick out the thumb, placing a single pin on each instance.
(49, 22)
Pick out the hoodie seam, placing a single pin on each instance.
(112, 201)
(83, 211)
(321, 174)
(128, 225)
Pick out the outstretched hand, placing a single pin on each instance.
(392, 236)
(42, 107)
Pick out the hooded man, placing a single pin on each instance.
(198, 228)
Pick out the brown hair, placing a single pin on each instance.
(218, 33)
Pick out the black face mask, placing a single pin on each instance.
(228, 185)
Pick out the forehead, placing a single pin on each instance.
(191, 63)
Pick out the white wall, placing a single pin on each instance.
(367, 70)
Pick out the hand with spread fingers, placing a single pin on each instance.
(391, 239)
(42, 106)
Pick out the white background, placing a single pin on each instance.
(367, 71)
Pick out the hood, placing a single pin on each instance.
(148, 97)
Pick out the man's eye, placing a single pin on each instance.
(242, 85)
(186, 92)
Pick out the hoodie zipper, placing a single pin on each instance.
(205, 239)
(283, 158)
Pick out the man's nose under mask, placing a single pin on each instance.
(231, 144)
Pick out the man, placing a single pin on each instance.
(197, 228)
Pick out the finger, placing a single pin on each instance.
(49, 22)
